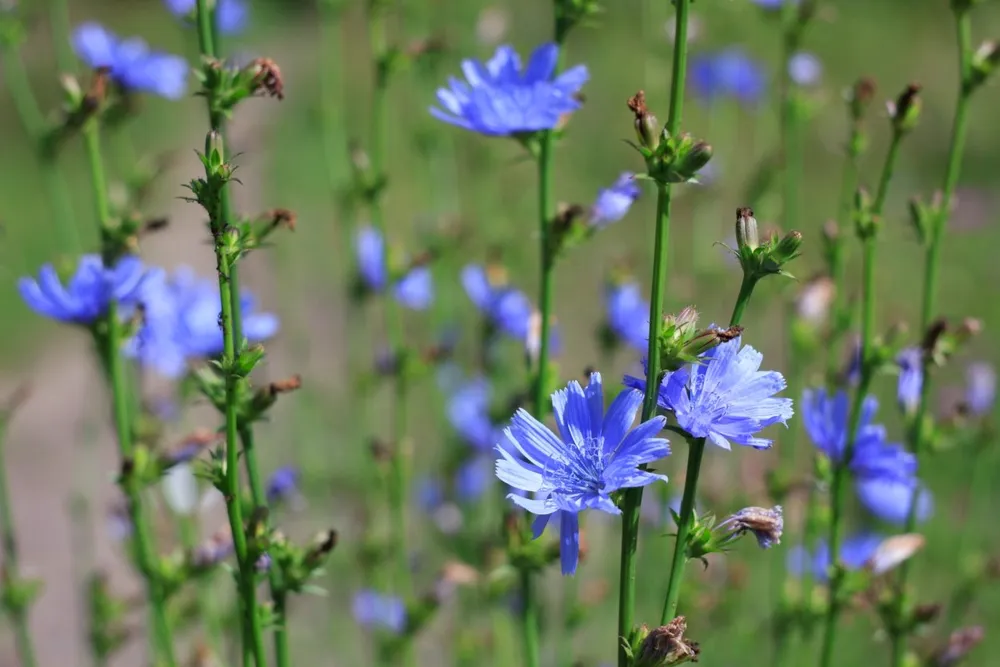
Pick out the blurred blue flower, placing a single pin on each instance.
(628, 314)
(429, 493)
(889, 499)
(469, 414)
(911, 378)
(804, 69)
(501, 98)
(282, 484)
(613, 203)
(473, 478)
(415, 290)
(508, 309)
(374, 610)
(231, 14)
(181, 321)
(770, 4)
(729, 73)
(980, 388)
(88, 293)
(725, 397)
(133, 66)
(855, 552)
(826, 422)
(595, 455)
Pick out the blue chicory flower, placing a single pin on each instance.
(231, 14)
(804, 69)
(911, 378)
(415, 290)
(826, 422)
(89, 292)
(181, 321)
(855, 552)
(613, 203)
(729, 73)
(501, 98)
(628, 314)
(469, 414)
(505, 307)
(374, 610)
(473, 478)
(283, 484)
(889, 499)
(133, 66)
(725, 397)
(980, 388)
(594, 455)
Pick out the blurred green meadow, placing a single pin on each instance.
(296, 155)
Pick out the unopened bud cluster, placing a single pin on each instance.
(680, 341)
(762, 259)
(669, 159)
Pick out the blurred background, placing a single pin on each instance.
(60, 454)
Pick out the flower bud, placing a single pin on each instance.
(696, 157)
(865, 224)
(787, 248)
(860, 97)
(746, 229)
(905, 111)
(984, 61)
(646, 125)
(665, 646)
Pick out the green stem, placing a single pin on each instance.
(697, 450)
(258, 493)
(110, 342)
(746, 291)
(59, 18)
(841, 466)
(633, 497)
(11, 572)
(931, 265)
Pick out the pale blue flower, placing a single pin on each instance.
(628, 314)
(282, 484)
(507, 308)
(133, 66)
(729, 73)
(89, 292)
(594, 455)
(181, 321)
(980, 388)
(473, 478)
(613, 203)
(415, 289)
(469, 414)
(889, 499)
(377, 611)
(804, 69)
(231, 14)
(826, 422)
(725, 397)
(911, 378)
(501, 98)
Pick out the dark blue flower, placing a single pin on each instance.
(181, 321)
(283, 484)
(500, 98)
(889, 499)
(725, 397)
(231, 14)
(911, 378)
(613, 203)
(855, 552)
(374, 610)
(133, 66)
(729, 73)
(628, 314)
(595, 455)
(469, 414)
(826, 422)
(980, 388)
(415, 289)
(86, 296)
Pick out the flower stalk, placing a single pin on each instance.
(867, 221)
(967, 85)
(109, 337)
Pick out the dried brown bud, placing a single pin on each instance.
(959, 644)
(286, 385)
(98, 91)
(666, 645)
(862, 95)
(380, 450)
(282, 217)
(934, 332)
(268, 80)
(646, 125)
